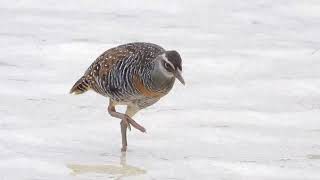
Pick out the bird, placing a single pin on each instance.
(136, 75)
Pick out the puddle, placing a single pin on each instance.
(313, 156)
(122, 170)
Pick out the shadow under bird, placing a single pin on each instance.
(136, 75)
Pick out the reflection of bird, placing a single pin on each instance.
(134, 74)
(122, 171)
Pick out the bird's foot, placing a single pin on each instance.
(129, 120)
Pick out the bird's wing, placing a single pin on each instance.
(104, 63)
(139, 52)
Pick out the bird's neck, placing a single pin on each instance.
(160, 82)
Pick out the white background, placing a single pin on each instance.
(250, 108)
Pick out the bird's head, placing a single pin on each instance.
(169, 65)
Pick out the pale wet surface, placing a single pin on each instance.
(120, 170)
(250, 108)
(123, 170)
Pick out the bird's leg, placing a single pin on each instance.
(131, 111)
(112, 111)
(126, 120)
(124, 126)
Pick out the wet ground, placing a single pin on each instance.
(249, 110)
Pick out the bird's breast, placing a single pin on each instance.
(145, 90)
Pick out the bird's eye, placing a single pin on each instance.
(166, 65)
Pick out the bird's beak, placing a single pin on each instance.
(178, 75)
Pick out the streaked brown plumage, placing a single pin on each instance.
(134, 74)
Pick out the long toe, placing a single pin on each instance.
(136, 125)
(143, 130)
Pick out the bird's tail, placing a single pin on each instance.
(81, 86)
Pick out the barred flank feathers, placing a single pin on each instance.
(81, 86)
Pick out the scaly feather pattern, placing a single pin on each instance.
(123, 73)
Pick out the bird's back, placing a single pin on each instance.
(121, 72)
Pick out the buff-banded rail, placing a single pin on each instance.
(136, 75)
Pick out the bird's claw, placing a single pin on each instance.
(134, 124)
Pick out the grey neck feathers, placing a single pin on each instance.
(160, 79)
